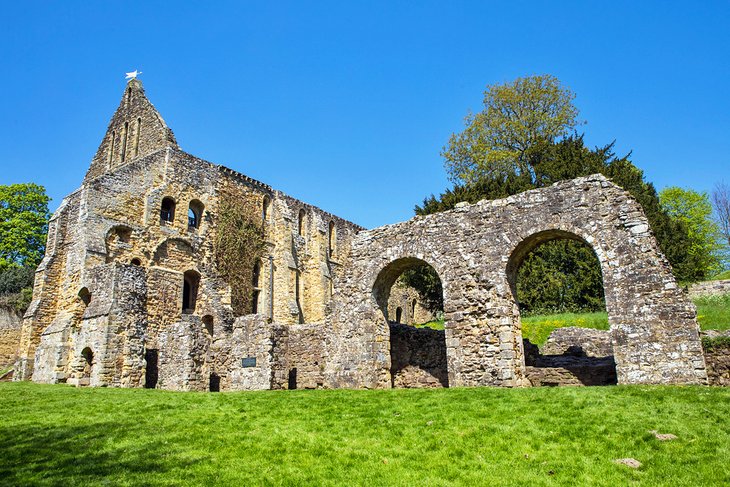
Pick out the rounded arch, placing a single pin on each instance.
(539, 237)
(174, 253)
(195, 213)
(167, 210)
(386, 277)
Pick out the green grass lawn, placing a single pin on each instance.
(59, 435)
(720, 276)
(713, 313)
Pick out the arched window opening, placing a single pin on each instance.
(417, 353)
(195, 213)
(87, 357)
(413, 311)
(557, 285)
(136, 137)
(256, 293)
(331, 238)
(191, 281)
(85, 296)
(136, 262)
(208, 325)
(300, 222)
(167, 211)
(125, 134)
(265, 209)
(129, 95)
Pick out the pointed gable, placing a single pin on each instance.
(136, 130)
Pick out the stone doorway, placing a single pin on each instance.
(417, 350)
(556, 277)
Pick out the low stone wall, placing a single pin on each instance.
(417, 357)
(717, 359)
(709, 288)
(10, 324)
(576, 341)
(571, 357)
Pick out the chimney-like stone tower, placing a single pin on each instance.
(136, 130)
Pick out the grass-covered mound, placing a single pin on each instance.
(58, 435)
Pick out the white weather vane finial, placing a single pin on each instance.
(133, 74)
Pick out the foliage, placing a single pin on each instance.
(18, 301)
(716, 343)
(23, 224)
(239, 245)
(721, 276)
(517, 116)
(426, 281)
(560, 276)
(15, 278)
(60, 435)
(695, 211)
(721, 203)
(566, 159)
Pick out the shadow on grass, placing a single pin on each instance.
(71, 455)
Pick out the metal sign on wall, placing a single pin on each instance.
(248, 362)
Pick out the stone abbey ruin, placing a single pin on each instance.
(131, 293)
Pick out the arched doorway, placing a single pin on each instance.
(417, 353)
(559, 306)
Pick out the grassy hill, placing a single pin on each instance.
(58, 435)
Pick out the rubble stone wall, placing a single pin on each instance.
(10, 324)
(710, 288)
(417, 357)
(476, 250)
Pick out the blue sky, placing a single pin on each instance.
(346, 105)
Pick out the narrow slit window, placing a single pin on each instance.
(124, 140)
(136, 137)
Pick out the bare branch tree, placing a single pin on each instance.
(721, 202)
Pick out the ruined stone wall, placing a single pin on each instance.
(476, 250)
(410, 303)
(417, 357)
(10, 324)
(710, 288)
(306, 356)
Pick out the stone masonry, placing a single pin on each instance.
(129, 293)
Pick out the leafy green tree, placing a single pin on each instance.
(23, 224)
(517, 117)
(545, 282)
(695, 211)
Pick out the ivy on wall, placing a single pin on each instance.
(239, 245)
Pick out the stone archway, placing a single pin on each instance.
(473, 249)
(417, 356)
(590, 358)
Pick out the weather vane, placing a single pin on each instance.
(133, 74)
